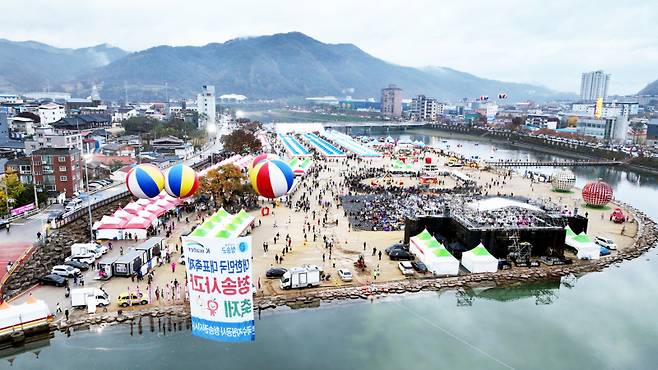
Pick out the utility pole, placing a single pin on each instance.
(34, 182)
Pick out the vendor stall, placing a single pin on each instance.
(479, 259)
(433, 254)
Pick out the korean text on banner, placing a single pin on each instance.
(219, 283)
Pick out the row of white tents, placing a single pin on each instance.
(441, 262)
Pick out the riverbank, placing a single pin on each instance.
(645, 239)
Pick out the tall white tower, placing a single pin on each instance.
(594, 85)
(205, 103)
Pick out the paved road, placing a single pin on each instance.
(22, 234)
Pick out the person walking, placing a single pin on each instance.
(380, 255)
(173, 267)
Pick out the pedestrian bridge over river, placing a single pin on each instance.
(565, 163)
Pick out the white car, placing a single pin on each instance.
(406, 268)
(88, 258)
(345, 275)
(605, 242)
(100, 251)
(65, 271)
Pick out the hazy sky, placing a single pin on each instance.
(548, 42)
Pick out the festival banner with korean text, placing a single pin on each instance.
(219, 283)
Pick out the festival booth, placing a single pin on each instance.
(433, 254)
(152, 252)
(133, 208)
(120, 213)
(584, 246)
(137, 227)
(130, 263)
(479, 259)
(300, 165)
(31, 317)
(224, 225)
(398, 166)
(109, 227)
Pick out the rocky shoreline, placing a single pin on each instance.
(646, 238)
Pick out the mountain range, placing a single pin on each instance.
(287, 65)
(650, 89)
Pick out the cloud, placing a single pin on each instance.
(514, 40)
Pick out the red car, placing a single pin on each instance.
(617, 216)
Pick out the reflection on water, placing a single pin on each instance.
(604, 321)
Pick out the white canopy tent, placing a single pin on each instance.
(433, 254)
(584, 246)
(479, 259)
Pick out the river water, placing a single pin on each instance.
(604, 321)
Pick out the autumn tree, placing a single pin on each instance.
(241, 141)
(223, 184)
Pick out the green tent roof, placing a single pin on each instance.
(199, 232)
(231, 227)
(223, 234)
(293, 162)
(425, 235)
(433, 244)
(480, 250)
(208, 225)
(582, 238)
(570, 233)
(222, 212)
(442, 252)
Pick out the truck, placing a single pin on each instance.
(81, 249)
(83, 297)
(301, 277)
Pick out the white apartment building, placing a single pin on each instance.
(594, 85)
(51, 113)
(425, 109)
(610, 109)
(48, 137)
(205, 103)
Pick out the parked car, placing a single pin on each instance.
(88, 258)
(401, 255)
(55, 215)
(65, 270)
(406, 268)
(345, 275)
(605, 242)
(52, 279)
(396, 246)
(419, 267)
(131, 299)
(73, 204)
(77, 264)
(275, 272)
